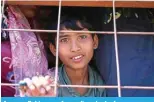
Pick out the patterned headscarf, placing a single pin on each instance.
(28, 57)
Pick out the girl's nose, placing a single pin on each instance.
(75, 46)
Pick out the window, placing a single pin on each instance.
(95, 5)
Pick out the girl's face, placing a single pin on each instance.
(76, 49)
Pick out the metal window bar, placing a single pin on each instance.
(93, 86)
(116, 51)
(2, 8)
(98, 32)
(57, 49)
(92, 32)
(1, 20)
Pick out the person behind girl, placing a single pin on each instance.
(75, 52)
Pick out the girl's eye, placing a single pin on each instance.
(83, 36)
(64, 40)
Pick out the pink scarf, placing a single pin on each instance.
(28, 56)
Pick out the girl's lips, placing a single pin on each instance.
(77, 59)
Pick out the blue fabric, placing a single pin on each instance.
(136, 55)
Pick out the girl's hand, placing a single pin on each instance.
(37, 86)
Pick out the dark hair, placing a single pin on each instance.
(68, 23)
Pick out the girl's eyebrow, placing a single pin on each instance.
(63, 35)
